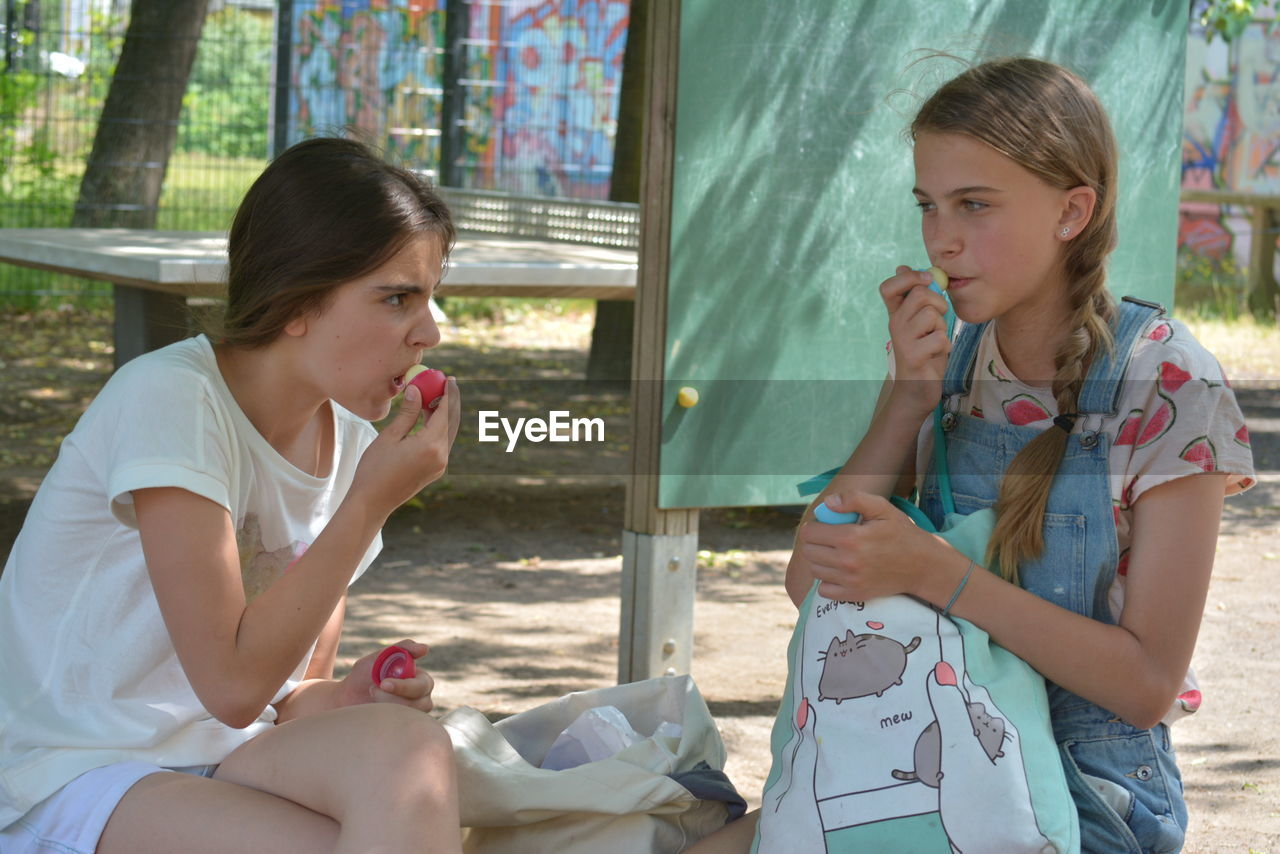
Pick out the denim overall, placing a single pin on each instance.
(1135, 803)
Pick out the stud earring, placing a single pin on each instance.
(1065, 231)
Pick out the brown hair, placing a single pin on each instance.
(324, 212)
(1047, 120)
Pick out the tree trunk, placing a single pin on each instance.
(139, 123)
(610, 358)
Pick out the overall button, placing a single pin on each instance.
(1143, 773)
(1088, 440)
(948, 421)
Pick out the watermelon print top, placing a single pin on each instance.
(1177, 416)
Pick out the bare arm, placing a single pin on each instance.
(882, 464)
(325, 656)
(317, 692)
(1146, 655)
(237, 653)
(884, 460)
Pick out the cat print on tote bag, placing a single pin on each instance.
(891, 739)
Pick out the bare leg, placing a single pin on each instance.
(373, 778)
(734, 838)
(181, 812)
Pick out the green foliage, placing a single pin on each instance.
(200, 194)
(1209, 288)
(1228, 18)
(104, 49)
(17, 96)
(225, 110)
(30, 178)
(42, 145)
(47, 124)
(503, 310)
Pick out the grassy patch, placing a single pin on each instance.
(1247, 348)
(200, 193)
(512, 310)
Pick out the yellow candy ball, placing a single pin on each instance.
(940, 276)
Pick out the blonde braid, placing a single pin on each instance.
(1024, 491)
(1047, 120)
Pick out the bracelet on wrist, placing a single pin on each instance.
(959, 588)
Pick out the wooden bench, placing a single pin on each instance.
(508, 246)
(1261, 291)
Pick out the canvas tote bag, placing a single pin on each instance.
(904, 729)
(626, 804)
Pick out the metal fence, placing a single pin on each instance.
(515, 96)
(58, 59)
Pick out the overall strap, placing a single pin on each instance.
(957, 380)
(964, 351)
(1100, 393)
(941, 468)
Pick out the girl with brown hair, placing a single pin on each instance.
(175, 598)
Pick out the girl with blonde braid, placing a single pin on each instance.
(1102, 433)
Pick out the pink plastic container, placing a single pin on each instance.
(394, 662)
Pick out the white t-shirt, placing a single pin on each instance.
(88, 674)
(1177, 416)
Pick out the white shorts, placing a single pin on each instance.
(70, 821)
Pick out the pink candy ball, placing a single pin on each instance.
(431, 383)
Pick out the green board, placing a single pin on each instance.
(792, 202)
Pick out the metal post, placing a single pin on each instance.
(284, 71)
(457, 25)
(10, 21)
(147, 320)
(659, 546)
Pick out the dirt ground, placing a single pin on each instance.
(513, 578)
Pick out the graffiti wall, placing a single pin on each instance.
(550, 125)
(1231, 134)
(540, 86)
(372, 67)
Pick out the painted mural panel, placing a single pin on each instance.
(369, 66)
(541, 86)
(1231, 134)
(548, 128)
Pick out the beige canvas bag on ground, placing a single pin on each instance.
(626, 804)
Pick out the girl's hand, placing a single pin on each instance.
(400, 462)
(882, 555)
(918, 330)
(415, 692)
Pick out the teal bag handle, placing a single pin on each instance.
(940, 467)
(817, 483)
